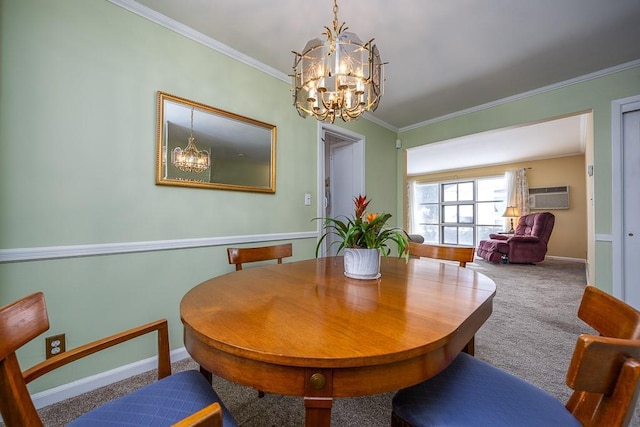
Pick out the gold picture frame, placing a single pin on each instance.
(241, 151)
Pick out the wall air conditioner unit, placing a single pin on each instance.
(549, 198)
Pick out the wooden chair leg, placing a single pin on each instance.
(470, 348)
(206, 374)
(396, 421)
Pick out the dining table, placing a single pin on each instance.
(305, 329)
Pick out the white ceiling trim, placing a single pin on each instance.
(197, 36)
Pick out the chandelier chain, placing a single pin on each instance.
(191, 129)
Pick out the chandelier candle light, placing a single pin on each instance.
(340, 77)
(190, 159)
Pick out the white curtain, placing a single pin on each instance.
(411, 189)
(517, 189)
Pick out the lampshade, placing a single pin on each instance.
(511, 212)
(338, 77)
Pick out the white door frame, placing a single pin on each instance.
(360, 141)
(618, 108)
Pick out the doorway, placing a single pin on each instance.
(625, 119)
(341, 175)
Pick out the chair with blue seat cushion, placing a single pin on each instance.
(183, 399)
(162, 403)
(604, 373)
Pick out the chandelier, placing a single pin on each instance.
(190, 159)
(340, 77)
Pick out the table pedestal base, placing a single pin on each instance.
(318, 397)
(317, 411)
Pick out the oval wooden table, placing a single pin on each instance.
(304, 329)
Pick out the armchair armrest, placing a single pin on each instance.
(164, 362)
(208, 416)
(498, 236)
(596, 362)
(524, 239)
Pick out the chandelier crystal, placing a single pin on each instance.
(340, 77)
(190, 159)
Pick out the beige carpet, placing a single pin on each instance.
(531, 333)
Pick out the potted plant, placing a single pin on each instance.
(364, 239)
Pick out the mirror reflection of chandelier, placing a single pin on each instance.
(190, 159)
(340, 77)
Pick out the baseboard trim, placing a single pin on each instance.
(563, 258)
(93, 382)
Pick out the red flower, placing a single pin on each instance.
(361, 203)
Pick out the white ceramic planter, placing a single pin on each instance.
(362, 264)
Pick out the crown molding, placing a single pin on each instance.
(164, 21)
(534, 92)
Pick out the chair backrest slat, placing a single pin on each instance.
(239, 256)
(20, 322)
(605, 370)
(608, 315)
(461, 254)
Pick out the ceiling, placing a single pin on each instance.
(443, 57)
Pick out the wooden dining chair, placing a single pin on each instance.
(239, 256)
(182, 399)
(604, 375)
(461, 254)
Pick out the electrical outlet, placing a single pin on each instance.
(54, 345)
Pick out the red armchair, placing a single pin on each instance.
(527, 245)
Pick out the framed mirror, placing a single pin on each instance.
(205, 147)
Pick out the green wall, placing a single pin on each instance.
(595, 94)
(78, 128)
(78, 84)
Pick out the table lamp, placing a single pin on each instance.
(511, 212)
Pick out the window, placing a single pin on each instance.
(458, 213)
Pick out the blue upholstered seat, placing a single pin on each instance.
(471, 392)
(161, 403)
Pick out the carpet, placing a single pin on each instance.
(531, 333)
